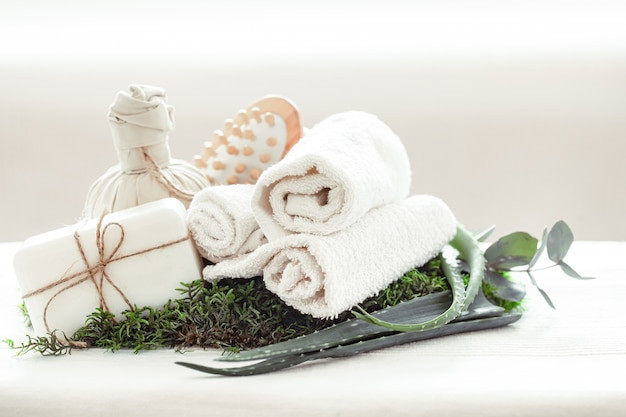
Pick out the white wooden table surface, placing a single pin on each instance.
(565, 362)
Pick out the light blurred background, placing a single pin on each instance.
(514, 113)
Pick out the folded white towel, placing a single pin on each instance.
(326, 275)
(221, 222)
(344, 166)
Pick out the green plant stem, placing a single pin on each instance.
(543, 268)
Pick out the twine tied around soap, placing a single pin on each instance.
(97, 273)
(155, 171)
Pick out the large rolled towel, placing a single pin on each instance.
(326, 275)
(344, 166)
(221, 222)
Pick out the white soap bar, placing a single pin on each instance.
(138, 256)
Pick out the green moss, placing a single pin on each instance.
(229, 314)
(234, 314)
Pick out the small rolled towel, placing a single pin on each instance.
(221, 222)
(344, 166)
(326, 275)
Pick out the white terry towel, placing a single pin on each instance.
(221, 222)
(344, 166)
(326, 275)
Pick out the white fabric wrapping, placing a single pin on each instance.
(221, 222)
(344, 166)
(116, 190)
(140, 122)
(326, 275)
(140, 117)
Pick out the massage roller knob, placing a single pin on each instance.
(255, 139)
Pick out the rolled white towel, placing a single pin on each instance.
(344, 166)
(221, 222)
(326, 275)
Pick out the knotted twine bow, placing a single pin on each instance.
(96, 273)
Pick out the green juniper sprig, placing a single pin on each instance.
(229, 314)
(49, 345)
(236, 314)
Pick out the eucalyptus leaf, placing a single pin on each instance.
(546, 297)
(541, 291)
(515, 249)
(570, 271)
(542, 247)
(505, 288)
(560, 239)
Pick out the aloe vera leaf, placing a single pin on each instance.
(425, 307)
(456, 307)
(471, 252)
(483, 235)
(352, 331)
(279, 363)
(396, 339)
(480, 308)
(461, 297)
(266, 366)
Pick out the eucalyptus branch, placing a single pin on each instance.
(520, 249)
